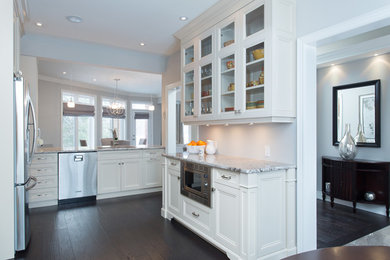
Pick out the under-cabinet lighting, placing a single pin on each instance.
(226, 124)
(183, 18)
(39, 24)
(251, 123)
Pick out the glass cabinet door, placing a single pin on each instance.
(206, 89)
(255, 77)
(227, 88)
(254, 21)
(227, 35)
(189, 55)
(206, 46)
(189, 93)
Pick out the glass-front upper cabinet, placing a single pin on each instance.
(227, 35)
(206, 88)
(189, 93)
(227, 88)
(206, 46)
(189, 55)
(254, 21)
(255, 76)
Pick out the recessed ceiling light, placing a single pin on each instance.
(94, 79)
(64, 73)
(39, 24)
(183, 18)
(376, 54)
(332, 64)
(142, 44)
(74, 19)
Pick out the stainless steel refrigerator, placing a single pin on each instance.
(25, 136)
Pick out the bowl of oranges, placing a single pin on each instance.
(195, 147)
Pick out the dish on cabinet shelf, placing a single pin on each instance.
(258, 54)
(230, 64)
(231, 87)
(227, 43)
(229, 109)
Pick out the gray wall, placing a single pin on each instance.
(358, 71)
(49, 94)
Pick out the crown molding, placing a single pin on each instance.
(92, 87)
(210, 17)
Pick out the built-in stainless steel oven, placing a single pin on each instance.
(196, 182)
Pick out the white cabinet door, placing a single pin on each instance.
(173, 191)
(109, 176)
(152, 174)
(227, 213)
(131, 174)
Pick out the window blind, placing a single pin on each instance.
(140, 115)
(78, 110)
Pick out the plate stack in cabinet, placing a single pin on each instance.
(252, 65)
(44, 168)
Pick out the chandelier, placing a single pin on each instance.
(116, 108)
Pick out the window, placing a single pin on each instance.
(109, 122)
(141, 128)
(78, 123)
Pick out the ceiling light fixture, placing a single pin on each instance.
(142, 44)
(116, 108)
(74, 19)
(64, 73)
(183, 18)
(332, 64)
(376, 54)
(39, 24)
(94, 79)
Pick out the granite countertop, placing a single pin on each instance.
(232, 163)
(96, 149)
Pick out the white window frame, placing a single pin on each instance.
(77, 145)
(126, 119)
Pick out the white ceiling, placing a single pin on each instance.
(130, 81)
(119, 23)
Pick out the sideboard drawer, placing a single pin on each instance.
(44, 158)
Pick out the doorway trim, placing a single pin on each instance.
(166, 90)
(307, 121)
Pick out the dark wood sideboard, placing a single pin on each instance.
(351, 179)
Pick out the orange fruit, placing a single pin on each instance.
(200, 142)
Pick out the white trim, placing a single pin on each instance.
(127, 193)
(93, 87)
(306, 120)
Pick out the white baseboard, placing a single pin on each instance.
(378, 209)
(126, 193)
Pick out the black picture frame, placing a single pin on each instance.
(377, 84)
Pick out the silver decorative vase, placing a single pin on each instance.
(347, 146)
(360, 138)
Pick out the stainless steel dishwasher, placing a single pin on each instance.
(77, 177)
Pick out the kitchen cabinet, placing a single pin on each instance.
(109, 176)
(227, 213)
(242, 68)
(252, 216)
(122, 173)
(44, 169)
(173, 195)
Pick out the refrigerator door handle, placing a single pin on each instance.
(34, 183)
(30, 105)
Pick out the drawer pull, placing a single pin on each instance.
(226, 177)
(213, 189)
(41, 158)
(195, 214)
(173, 164)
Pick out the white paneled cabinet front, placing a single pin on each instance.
(122, 173)
(252, 216)
(227, 215)
(131, 174)
(109, 176)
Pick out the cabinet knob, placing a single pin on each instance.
(178, 177)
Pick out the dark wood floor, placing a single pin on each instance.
(339, 225)
(121, 228)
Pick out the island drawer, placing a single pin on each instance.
(197, 214)
(228, 178)
(173, 164)
(44, 158)
(43, 194)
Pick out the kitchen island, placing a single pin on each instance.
(252, 213)
(122, 170)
